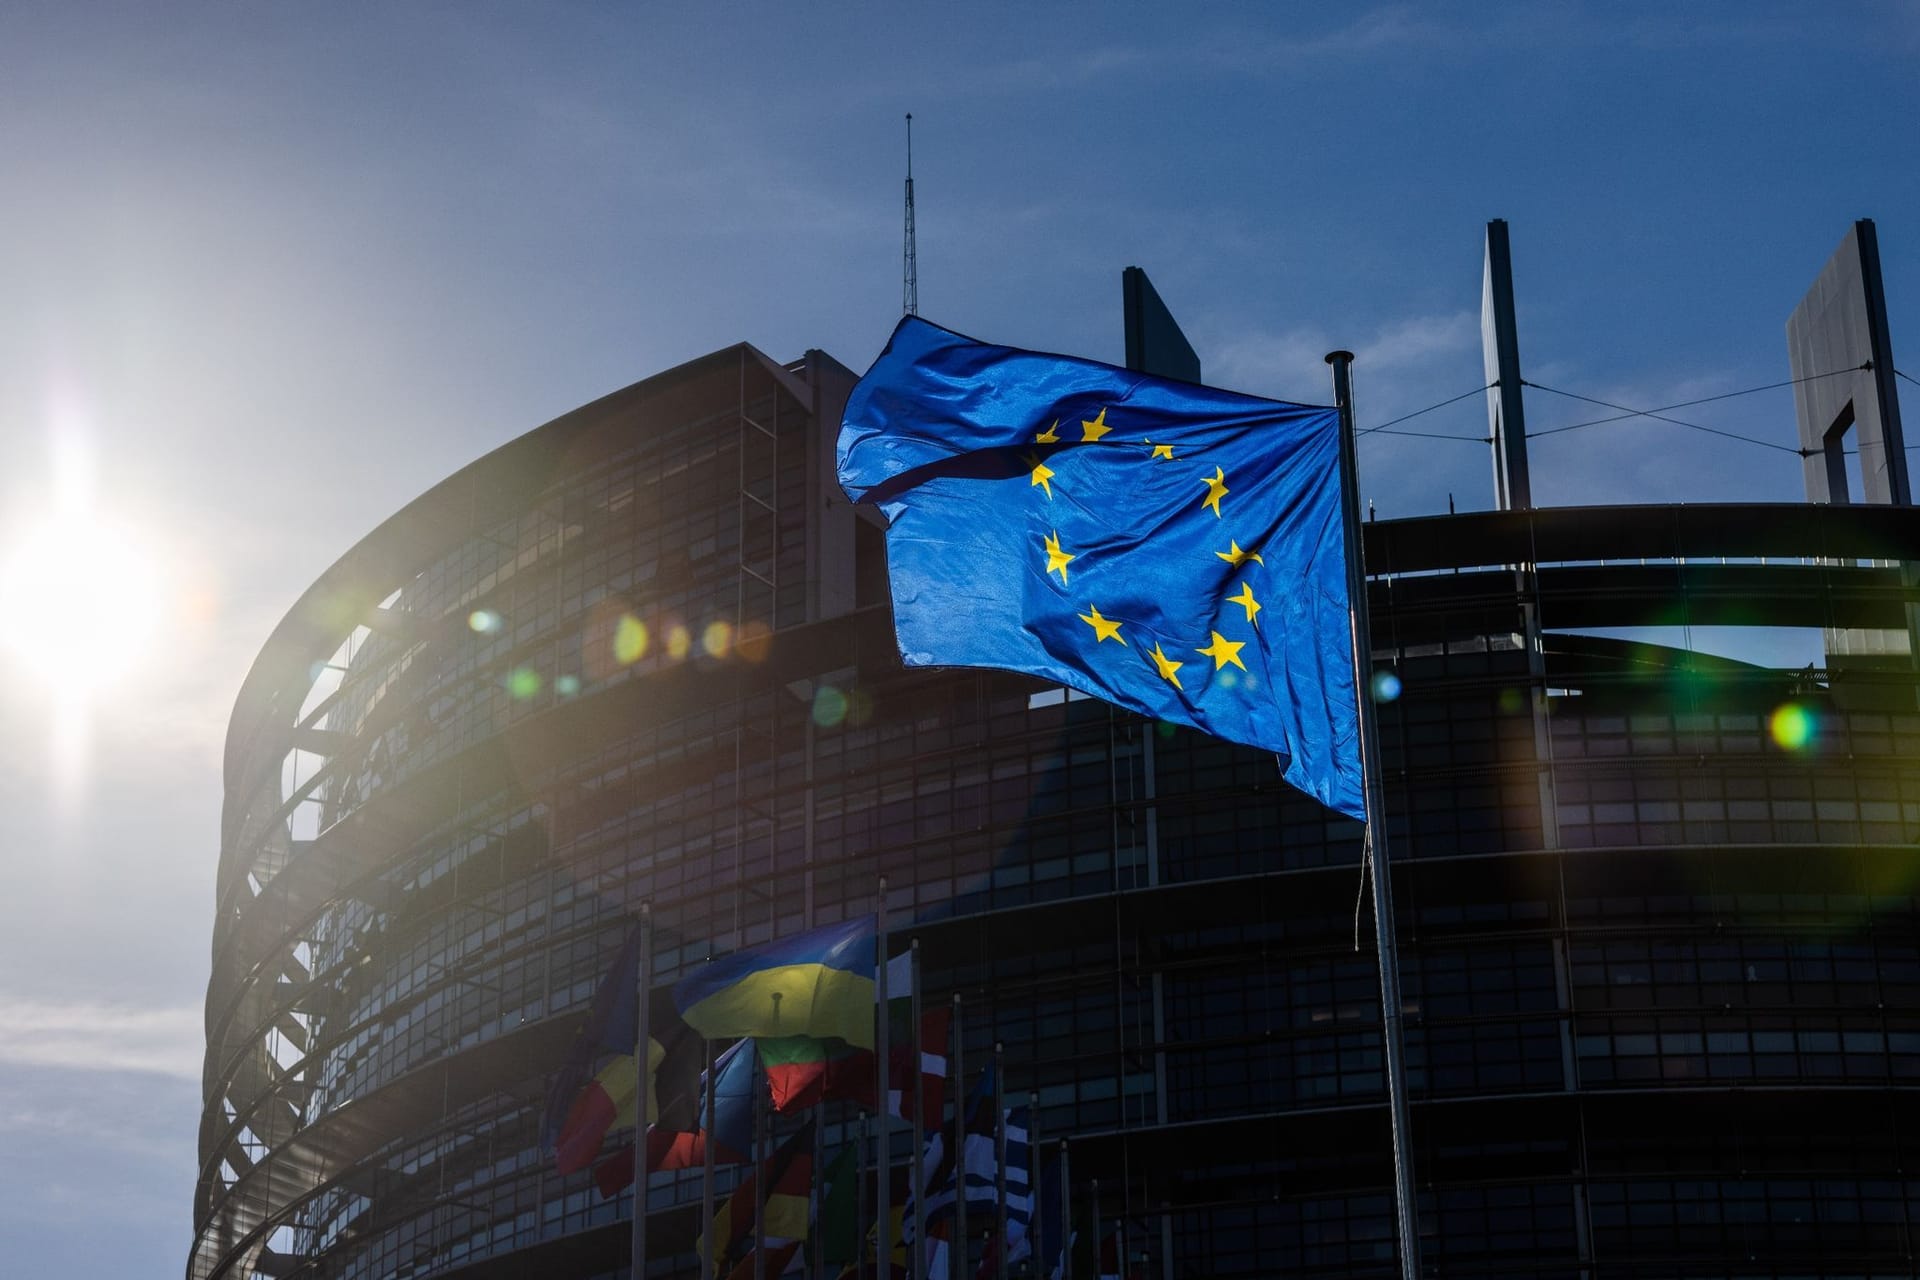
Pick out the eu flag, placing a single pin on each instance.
(1169, 547)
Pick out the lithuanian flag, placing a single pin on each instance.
(802, 1070)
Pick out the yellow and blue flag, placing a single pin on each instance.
(819, 983)
(1172, 548)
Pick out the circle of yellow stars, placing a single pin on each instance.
(1223, 651)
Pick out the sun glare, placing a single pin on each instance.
(78, 598)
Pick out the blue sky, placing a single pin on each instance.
(276, 269)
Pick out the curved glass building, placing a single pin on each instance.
(1659, 910)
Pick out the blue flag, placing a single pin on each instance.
(1169, 547)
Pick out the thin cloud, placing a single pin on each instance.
(103, 1037)
(1405, 357)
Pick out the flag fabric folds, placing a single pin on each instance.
(802, 1071)
(678, 1140)
(819, 983)
(585, 1102)
(1172, 548)
(787, 1176)
(839, 1236)
(1020, 1193)
(975, 1174)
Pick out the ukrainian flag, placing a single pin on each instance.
(819, 984)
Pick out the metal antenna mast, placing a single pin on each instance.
(910, 280)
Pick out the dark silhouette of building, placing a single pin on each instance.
(1659, 911)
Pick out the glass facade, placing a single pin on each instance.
(1658, 907)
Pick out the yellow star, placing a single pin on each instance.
(1041, 473)
(1056, 558)
(1051, 435)
(1167, 666)
(1223, 651)
(1216, 490)
(1091, 431)
(1237, 557)
(1161, 450)
(1103, 628)
(1245, 600)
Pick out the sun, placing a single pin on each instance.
(79, 595)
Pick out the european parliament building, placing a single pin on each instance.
(1659, 911)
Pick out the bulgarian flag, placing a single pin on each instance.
(802, 1070)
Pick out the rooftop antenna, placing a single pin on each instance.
(910, 276)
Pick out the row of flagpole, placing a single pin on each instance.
(1374, 862)
(876, 1175)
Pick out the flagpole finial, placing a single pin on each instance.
(1335, 357)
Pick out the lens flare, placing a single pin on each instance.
(829, 706)
(567, 686)
(1386, 686)
(717, 639)
(485, 621)
(1793, 727)
(679, 640)
(523, 683)
(756, 641)
(629, 640)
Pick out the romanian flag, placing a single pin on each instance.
(818, 984)
(788, 1177)
(588, 1101)
(607, 1102)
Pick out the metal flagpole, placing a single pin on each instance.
(1000, 1165)
(860, 1205)
(643, 990)
(1375, 856)
(883, 1192)
(917, 1260)
(1035, 1187)
(957, 1256)
(1099, 1252)
(1066, 1216)
(814, 1191)
(762, 1157)
(707, 1155)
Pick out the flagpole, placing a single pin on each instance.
(916, 1259)
(957, 1257)
(1000, 1163)
(1099, 1249)
(707, 1153)
(762, 1157)
(1375, 856)
(860, 1205)
(643, 991)
(883, 1188)
(1036, 1188)
(1066, 1216)
(811, 1249)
